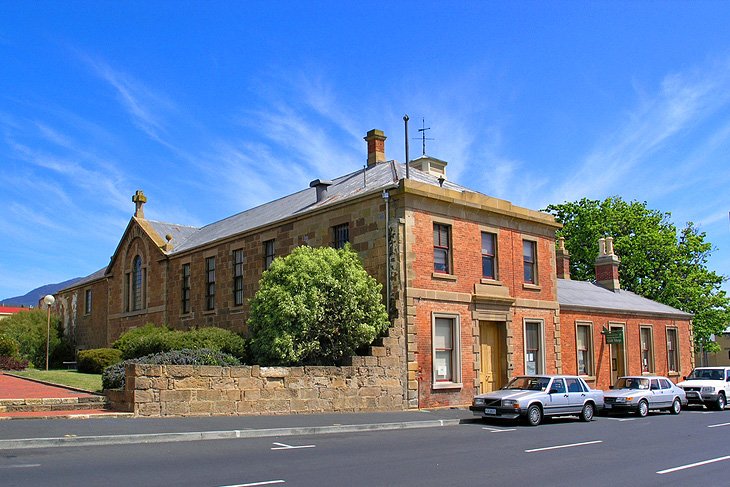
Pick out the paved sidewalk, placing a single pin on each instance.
(12, 387)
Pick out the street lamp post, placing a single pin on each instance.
(48, 301)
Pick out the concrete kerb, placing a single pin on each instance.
(29, 443)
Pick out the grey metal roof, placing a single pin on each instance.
(375, 178)
(590, 296)
(86, 280)
(179, 233)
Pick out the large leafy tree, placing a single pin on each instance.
(657, 261)
(315, 306)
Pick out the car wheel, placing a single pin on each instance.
(720, 403)
(643, 409)
(534, 415)
(586, 413)
(676, 406)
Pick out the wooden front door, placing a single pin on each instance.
(491, 354)
(618, 357)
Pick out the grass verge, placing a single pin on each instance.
(71, 378)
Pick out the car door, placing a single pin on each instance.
(557, 400)
(576, 394)
(657, 395)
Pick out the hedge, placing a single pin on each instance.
(95, 360)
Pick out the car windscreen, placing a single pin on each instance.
(632, 383)
(529, 383)
(706, 374)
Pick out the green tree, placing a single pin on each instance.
(28, 329)
(315, 306)
(657, 261)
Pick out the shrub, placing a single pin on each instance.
(95, 360)
(8, 347)
(145, 340)
(315, 306)
(213, 338)
(12, 363)
(113, 377)
(28, 329)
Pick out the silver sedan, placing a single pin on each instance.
(639, 394)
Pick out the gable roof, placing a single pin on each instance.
(588, 296)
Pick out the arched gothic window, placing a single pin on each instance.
(137, 284)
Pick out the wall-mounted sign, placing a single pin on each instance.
(613, 336)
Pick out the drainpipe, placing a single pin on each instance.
(386, 197)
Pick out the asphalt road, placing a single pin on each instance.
(688, 449)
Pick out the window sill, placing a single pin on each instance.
(491, 282)
(673, 374)
(443, 277)
(531, 287)
(209, 312)
(134, 313)
(447, 385)
(588, 378)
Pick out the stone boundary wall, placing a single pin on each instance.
(369, 383)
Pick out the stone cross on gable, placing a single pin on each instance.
(139, 199)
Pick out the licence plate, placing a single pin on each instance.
(490, 411)
(608, 406)
(692, 394)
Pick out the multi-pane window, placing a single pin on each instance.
(529, 253)
(185, 291)
(533, 348)
(237, 277)
(137, 283)
(210, 283)
(87, 301)
(446, 349)
(672, 357)
(341, 235)
(647, 357)
(489, 255)
(584, 349)
(268, 253)
(441, 248)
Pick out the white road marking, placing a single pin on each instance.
(496, 430)
(692, 465)
(27, 465)
(619, 419)
(284, 446)
(718, 425)
(254, 484)
(564, 446)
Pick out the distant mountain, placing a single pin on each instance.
(32, 297)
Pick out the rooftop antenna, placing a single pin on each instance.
(423, 135)
(405, 122)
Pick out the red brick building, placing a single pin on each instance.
(470, 281)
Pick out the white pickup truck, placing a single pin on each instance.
(709, 386)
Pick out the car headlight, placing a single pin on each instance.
(510, 403)
(622, 399)
(708, 390)
(478, 401)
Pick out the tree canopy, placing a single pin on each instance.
(657, 261)
(315, 306)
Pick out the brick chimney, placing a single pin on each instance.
(376, 146)
(562, 259)
(139, 199)
(607, 265)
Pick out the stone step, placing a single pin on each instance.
(53, 404)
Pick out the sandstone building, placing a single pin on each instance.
(475, 287)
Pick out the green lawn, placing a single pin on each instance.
(89, 382)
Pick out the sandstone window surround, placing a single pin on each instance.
(584, 348)
(238, 277)
(489, 255)
(647, 350)
(534, 347)
(185, 291)
(269, 253)
(446, 351)
(673, 365)
(87, 301)
(135, 284)
(210, 283)
(340, 235)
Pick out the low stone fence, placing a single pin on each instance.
(372, 383)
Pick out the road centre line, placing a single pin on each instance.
(692, 465)
(564, 446)
(27, 465)
(718, 425)
(255, 484)
(497, 430)
(284, 446)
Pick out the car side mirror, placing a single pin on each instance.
(684, 377)
(610, 387)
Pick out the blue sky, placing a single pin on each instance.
(214, 107)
